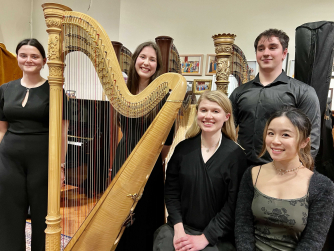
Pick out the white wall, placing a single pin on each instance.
(192, 23)
(14, 22)
(15, 18)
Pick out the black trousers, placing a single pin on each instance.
(23, 183)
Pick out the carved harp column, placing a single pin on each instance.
(53, 19)
(165, 44)
(223, 48)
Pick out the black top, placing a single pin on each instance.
(203, 195)
(253, 104)
(133, 129)
(150, 210)
(33, 118)
(319, 219)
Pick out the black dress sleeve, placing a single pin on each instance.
(2, 92)
(222, 224)
(320, 214)
(172, 189)
(169, 140)
(244, 220)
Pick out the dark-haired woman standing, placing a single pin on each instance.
(284, 205)
(24, 134)
(149, 212)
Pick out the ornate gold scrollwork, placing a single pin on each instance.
(55, 71)
(53, 22)
(224, 49)
(223, 69)
(53, 45)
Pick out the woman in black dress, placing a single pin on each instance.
(24, 134)
(149, 212)
(202, 181)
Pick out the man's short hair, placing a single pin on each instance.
(281, 35)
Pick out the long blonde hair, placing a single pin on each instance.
(222, 100)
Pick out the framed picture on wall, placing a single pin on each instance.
(201, 85)
(252, 69)
(211, 65)
(191, 64)
(291, 71)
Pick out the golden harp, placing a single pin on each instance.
(104, 224)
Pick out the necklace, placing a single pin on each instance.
(283, 171)
(208, 148)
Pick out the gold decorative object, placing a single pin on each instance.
(103, 227)
(223, 48)
(54, 14)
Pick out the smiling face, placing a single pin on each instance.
(146, 63)
(282, 140)
(211, 117)
(270, 54)
(30, 59)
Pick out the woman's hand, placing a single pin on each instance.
(179, 236)
(196, 242)
(191, 242)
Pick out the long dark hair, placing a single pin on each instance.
(303, 127)
(133, 77)
(32, 42)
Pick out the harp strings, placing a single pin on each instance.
(239, 68)
(92, 134)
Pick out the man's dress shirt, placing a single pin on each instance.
(253, 104)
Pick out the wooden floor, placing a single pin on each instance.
(75, 206)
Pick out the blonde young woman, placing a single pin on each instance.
(284, 205)
(202, 181)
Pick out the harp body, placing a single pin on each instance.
(103, 226)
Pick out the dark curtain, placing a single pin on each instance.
(313, 66)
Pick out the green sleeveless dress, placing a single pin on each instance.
(278, 223)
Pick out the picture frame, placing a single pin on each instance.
(252, 69)
(201, 85)
(191, 64)
(211, 65)
(291, 71)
